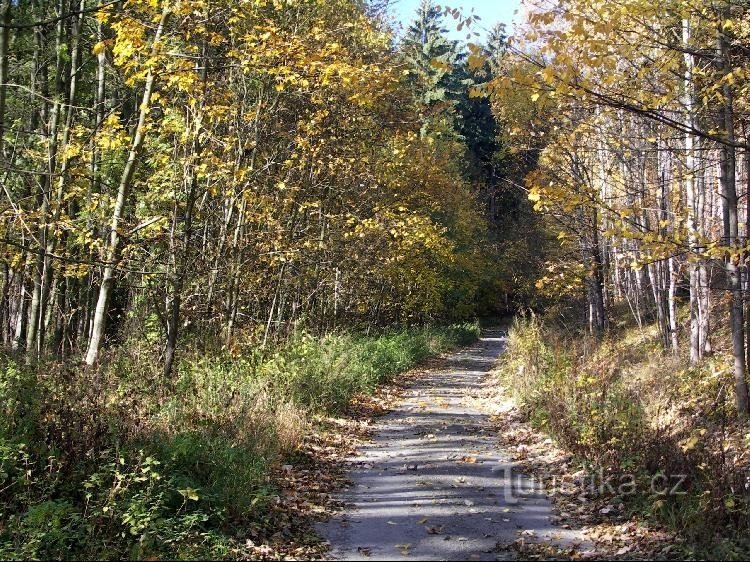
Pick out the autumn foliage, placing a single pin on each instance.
(223, 168)
(218, 220)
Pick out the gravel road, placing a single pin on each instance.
(433, 484)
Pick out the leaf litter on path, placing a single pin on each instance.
(612, 534)
(307, 484)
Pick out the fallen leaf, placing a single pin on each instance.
(404, 548)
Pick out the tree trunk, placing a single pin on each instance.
(693, 216)
(52, 242)
(747, 257)
(181, 266)
(657, 288)
(113, 250)
(5, 18)
(731, 236)
(672, 305)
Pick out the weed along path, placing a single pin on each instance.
(433, 485)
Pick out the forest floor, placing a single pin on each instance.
(451, 472)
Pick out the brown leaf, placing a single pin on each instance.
(404, 548)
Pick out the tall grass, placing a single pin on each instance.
(625, 406)
(119, 463)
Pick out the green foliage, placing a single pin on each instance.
(213, 468)
(18, 398)
(174, 469)
(324, 375)
(435, 73)
(585, 406)
(122, 503)
(623, 406)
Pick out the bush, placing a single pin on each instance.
(323, 375)
(126, 504)
(119, 463)
(624, 406)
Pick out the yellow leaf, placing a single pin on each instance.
(100, 47)
(189, 494)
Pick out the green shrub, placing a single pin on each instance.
(323, 375)
(126, 504)
(584, 405)
(230, 476)
(624, 406)
(120, 463)
(50, 529)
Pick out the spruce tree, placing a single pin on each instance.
(435, 74)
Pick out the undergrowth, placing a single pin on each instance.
(624, 406)
(120, 463)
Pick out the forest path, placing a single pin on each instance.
(433, 483)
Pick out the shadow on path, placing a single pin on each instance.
(433, 484)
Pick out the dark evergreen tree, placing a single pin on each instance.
(435, 75)
(497, 41)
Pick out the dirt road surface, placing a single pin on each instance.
(433, 484)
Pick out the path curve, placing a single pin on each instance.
(433, 484)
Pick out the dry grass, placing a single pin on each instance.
(119, 462)
(627, 406)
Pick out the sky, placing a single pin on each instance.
(491, 12)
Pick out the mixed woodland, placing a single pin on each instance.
(222, 220)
